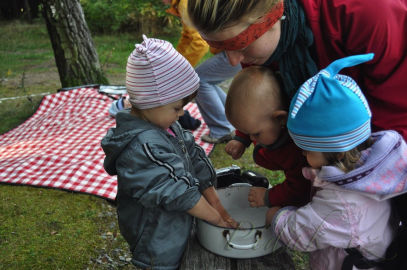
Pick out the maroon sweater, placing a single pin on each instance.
(295, 189)
(348, 27)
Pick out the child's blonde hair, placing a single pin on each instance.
(349, 160)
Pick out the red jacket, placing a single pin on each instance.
(347, 27)
(295, 190)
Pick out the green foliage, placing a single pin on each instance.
(220, 159)
(18, 37)
(146, 16)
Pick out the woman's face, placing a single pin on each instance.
(256, 53)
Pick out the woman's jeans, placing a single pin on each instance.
(211, 98)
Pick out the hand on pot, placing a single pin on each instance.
(235, 149)
(212, 196)
(204, 210)
(223, 220)
(256, 196)
(231, 223)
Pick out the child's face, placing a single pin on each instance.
(164, 116)
(262, 128)
(315, 159)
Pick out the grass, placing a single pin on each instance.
(39, 221)
(52, 229)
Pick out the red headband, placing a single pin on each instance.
(251, 33)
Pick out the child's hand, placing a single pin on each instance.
(212, 197)
(235, 149)
(225, 222)
(231, 223)
(228, 224)
(126, 103)
(270, 214)
(256, 196)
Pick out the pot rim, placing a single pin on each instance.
(238, 229)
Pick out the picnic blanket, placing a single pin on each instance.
(59, 146)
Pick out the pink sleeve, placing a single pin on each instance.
(312, 227)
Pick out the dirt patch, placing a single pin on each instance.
(49, 78)
(31, 78)
(117, 79)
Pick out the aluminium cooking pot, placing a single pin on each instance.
(252, 238)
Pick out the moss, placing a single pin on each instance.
(47, 229)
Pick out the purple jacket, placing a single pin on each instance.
(349, 209)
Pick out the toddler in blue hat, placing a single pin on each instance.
(354, 172)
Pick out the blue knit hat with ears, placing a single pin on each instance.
(329, 113)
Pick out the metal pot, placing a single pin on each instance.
(252, 239)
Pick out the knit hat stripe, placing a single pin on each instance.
(167, 75)
(305, 92)
(189, 82)
(172, 79)
(303, 95)
(349, 83)
(140, 73)
(339, 143)
(177, 96)
(158, 75)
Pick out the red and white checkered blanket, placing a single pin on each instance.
(59, 146)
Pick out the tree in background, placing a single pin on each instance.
(75, 55)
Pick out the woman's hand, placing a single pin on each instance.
(256, 196)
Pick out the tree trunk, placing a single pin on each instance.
(75, 54)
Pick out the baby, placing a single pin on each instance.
(256, 107)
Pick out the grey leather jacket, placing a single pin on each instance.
(160, 177)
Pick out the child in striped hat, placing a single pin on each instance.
(348, 222)
(164, 177)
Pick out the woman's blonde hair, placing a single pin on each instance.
(210, 16)
(349, 160)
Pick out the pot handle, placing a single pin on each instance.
(240, 185)
(249, 246)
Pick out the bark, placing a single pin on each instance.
(75, 54)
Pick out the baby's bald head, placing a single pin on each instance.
(254, 92)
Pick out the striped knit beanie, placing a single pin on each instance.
(329, 112)
(158, 75)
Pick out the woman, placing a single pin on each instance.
(213, 71)
(299, 37)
